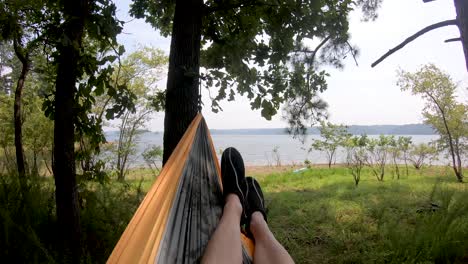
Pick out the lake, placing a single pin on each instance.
(259, 149)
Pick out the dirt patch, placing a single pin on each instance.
(263, 170)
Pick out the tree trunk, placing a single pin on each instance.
(19, 127)
(397, 170)
(120, 147)
(35, 168)
(461, 7)
(406, 166)
(20, 53)
(452, 150)
(331, 157)
(68, 211)
(183, 77)
(459, 162)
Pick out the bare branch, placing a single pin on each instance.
(325, 40)
(415, 36)
(313, 52)
(352, 53)
(452, 40)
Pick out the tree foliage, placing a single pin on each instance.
(333, 136)
(23, 23)
(259, 49)
(405, 143)
(153, 158)
(8, 64)
(356, 156)
(139, 72)
(377, 155)
(441, 110)
(420, 153)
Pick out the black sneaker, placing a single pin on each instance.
(255, 200)
(233, 175)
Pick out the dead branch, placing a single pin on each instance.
(452, 40)
(353, 52)
(415, 36)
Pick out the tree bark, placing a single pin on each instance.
(68, 211)
(18, 120)
(461, 7)
(183, 76)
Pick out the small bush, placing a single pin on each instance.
(28, 222)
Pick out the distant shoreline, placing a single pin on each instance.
(410, 129)
(407, 130)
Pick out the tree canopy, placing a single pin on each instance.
(270, 52)
(333, 136)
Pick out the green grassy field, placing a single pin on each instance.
(321, 217)
(318, 215)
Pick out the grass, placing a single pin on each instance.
(318, 215)
(321, 217)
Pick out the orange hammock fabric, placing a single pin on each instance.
(179, 213)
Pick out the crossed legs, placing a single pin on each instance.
(225, 244)
(243, 202)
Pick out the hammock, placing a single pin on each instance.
(180, 212)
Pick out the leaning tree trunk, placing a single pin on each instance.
(183, 77)
(68, 211)
(452, 149)
(18, 117)
(461, 7)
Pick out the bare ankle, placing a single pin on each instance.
(257, 222)
(233, 203)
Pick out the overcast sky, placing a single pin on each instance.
(357, 94)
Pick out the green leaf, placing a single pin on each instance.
(121, 50)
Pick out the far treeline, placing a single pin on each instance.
(410, 129)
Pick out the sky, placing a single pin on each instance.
(357, 95)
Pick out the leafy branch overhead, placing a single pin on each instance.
(269, 51)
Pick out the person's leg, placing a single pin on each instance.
(267, 248)
(225, 244)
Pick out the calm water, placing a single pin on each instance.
(258, 149)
